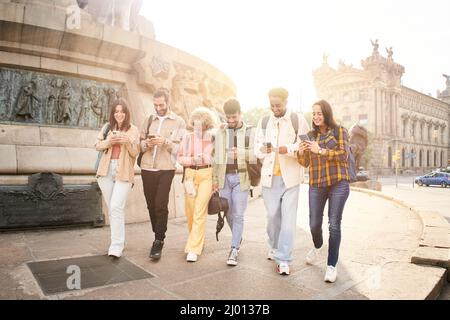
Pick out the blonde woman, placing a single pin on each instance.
(195, 155)
(115, 173)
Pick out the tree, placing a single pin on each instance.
(252, 116)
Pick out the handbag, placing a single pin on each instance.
(100, 153)
(139, 158)
(217, 205)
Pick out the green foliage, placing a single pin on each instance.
(252, 116)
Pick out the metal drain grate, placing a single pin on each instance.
(59, 276)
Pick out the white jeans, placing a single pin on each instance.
(115, 194)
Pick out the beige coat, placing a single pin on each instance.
(291, 171)
(173, 130)
(127, 158)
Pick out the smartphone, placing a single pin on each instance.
(268, 144)
(304, 137)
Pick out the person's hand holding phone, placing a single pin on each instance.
(149, 141)
(158, 141)
(266, 148)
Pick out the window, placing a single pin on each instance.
(346, 97)
(403, 158)
(404, 127)
(389, 157)
(421, 132)
(428, 158)
(412, 157)
(420, 158)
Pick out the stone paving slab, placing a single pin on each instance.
(379, 239)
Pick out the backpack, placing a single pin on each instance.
(350, 160)
(139, 159)
(294, 121)
(100, 153)
(253, 169)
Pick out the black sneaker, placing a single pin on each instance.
(155, 252)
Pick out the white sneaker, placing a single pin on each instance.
(191, 257)
(271, 254)
(232, 257)
(312, 255)
(331, 274)
(283, 268)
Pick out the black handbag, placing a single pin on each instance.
(218, 205)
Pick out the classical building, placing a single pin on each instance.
(398, 118)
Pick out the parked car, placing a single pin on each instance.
(434, 179)
(362, 174)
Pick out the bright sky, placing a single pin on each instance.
(262, 44)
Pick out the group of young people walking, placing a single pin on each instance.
(215, 158)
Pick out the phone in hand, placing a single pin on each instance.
(268, 144)
(304, 137)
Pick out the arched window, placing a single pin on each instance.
(403, 158)
(389, 157)
(428, 158)
(435, 158)
(420, 158)
(412, 157)
(442, 159)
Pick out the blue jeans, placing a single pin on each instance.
(237, 203)
(281, 205)
(336, 195)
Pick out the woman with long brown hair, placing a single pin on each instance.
(325, 150)
(115, 174)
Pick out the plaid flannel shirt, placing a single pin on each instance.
(326, 170)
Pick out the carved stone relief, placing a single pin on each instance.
(34, 97)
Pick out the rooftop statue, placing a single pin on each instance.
(375, 47)
(116, 13)
(447, 81)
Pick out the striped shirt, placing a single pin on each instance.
(332, 166)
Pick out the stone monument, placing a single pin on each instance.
(62, 64)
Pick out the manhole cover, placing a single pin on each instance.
(58, 276)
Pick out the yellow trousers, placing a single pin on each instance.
(196, 208)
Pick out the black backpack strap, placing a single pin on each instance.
(294, 121)
(264, 122)
(150, 120)
(107, 129)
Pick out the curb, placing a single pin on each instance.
(434, 245)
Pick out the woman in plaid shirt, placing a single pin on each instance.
(325, 151)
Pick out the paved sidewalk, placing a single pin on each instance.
(379, 238)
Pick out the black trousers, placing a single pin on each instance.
(156, 190)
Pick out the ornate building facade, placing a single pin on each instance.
(399, 119)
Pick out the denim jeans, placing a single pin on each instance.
(281, 205)
(237, 203)
(336, 195)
